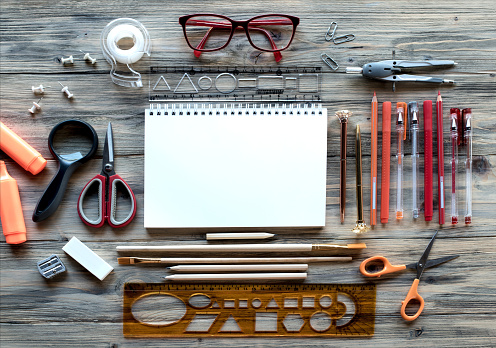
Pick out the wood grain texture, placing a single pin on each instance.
(76, 309)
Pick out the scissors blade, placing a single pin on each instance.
(421, 264)
(433, 263)
(108, 152)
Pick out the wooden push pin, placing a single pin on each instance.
(65, 90)
(69, 60)
(39, 90)
(36, 107)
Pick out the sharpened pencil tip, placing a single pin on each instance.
(438, 92)
(374, 93)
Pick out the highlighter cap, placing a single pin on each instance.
(16, 238)
(37, 165)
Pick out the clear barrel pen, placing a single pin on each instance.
(400, 131)
(467, 119)
(454, 116)
(413, 115)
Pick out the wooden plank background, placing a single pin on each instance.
(76, 309)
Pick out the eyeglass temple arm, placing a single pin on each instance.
(277, 55)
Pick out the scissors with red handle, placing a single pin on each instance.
(107, 182)
(380, 266)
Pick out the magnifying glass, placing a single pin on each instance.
(72, 143)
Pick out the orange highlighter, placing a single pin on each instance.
(373, 165)
(20, 151)
(13, 225)
(386, 154)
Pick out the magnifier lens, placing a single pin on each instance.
(72, 141)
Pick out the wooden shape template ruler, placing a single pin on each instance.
(248, 310)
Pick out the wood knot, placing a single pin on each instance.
(481, 165)
(416, 332)
(430, 280)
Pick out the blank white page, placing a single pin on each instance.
(235, 170)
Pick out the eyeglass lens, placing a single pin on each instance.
(208, 32)
(270, 32)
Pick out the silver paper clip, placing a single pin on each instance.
(331, 31)
(331, 63)
(342, 39)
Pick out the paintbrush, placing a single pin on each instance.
(229, 260)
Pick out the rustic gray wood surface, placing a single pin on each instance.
(76, 309)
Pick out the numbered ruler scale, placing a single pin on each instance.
(235, 84)
(248, 310)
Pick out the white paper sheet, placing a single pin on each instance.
(236, 171)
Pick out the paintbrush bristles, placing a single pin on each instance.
(134, 260)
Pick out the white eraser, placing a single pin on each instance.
(87, 258)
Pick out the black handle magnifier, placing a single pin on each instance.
(68, 163)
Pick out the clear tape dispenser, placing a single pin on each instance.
(122, 30)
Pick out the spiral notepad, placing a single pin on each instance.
(209, 165)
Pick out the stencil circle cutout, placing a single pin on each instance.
(226, 83)
(350, 309)
(325, 301)
(204, 83)
(199, 301)
(158, 310)
(320, 321)
(256, 303)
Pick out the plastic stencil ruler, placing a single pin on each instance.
(248, 310)
(235, 84)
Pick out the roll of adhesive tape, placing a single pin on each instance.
(113, 33)
(126, 31)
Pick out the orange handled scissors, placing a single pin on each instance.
(108, 182)
(377, 266)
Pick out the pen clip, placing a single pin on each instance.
(403, 107)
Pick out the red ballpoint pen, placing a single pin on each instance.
(428, 199)
(373, 164)
(440, 158)
(386, 154)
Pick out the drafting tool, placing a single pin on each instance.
(428, 180)
(454, 116)
(343, 119)
(239, 235)
(360, 226)
(380, 266)
(107, 182)
(237, 84)
(401, 121)
(373, 164)
(413, 116)
(386, 153)
(222, 277)
(278, 267)
(218, 248)
(467, 121)
(248, 310)
(440, 157)
(72, 132)
(229, 260)
(394, 70)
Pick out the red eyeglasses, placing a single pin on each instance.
(210, 32)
